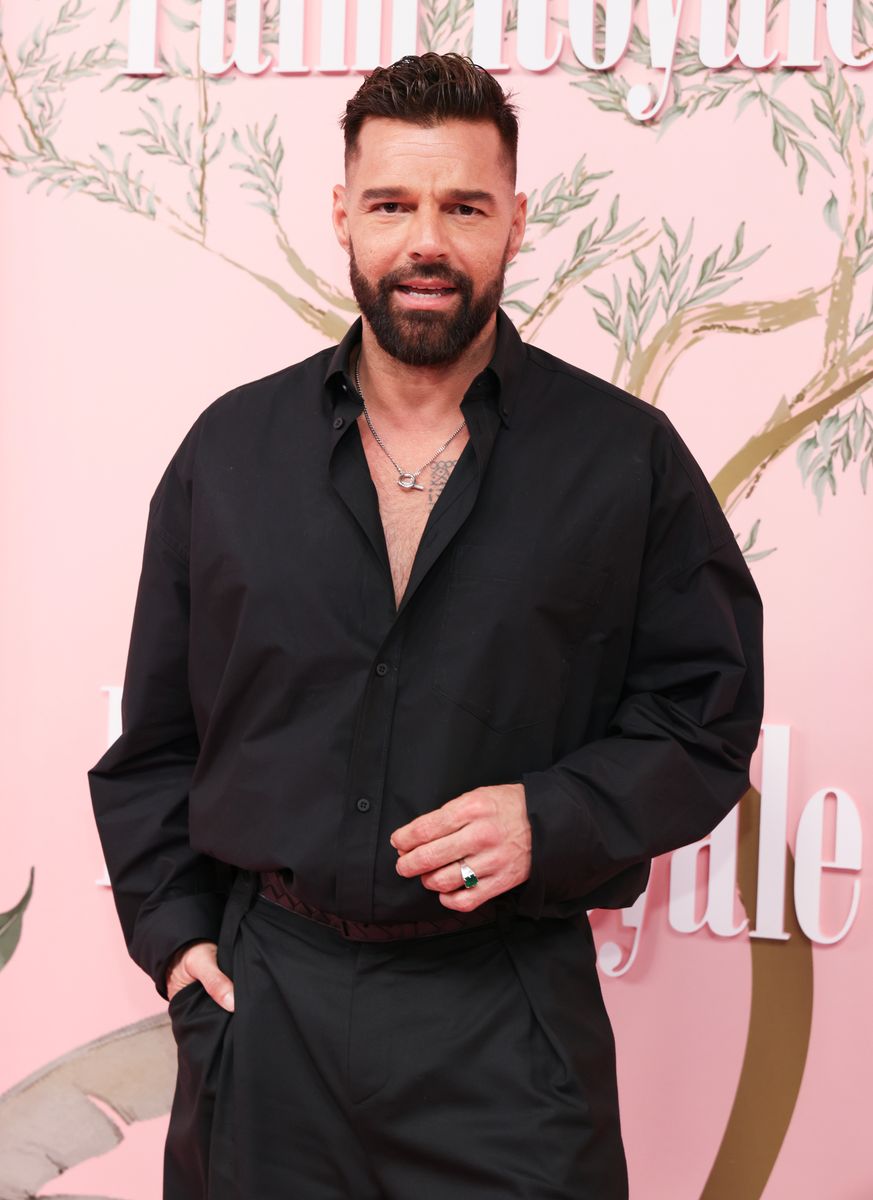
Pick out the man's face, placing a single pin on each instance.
(429, 219)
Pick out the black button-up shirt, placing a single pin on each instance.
(579, 618)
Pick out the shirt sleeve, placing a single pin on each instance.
(675, 756)
(166, 893)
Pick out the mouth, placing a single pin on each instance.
(424, 291)
(422, 297)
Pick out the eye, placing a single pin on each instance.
(467, 210)
(389, 206)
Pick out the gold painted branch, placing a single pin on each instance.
(780, 1022)
(651, 365)
(321, 287)
(328, 323)
(740, 475)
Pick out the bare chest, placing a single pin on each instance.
(404, 511)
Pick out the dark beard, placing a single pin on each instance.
(425, 338)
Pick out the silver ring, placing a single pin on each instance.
(468, 875)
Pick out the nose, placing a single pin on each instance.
(427, 241)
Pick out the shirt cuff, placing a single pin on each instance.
(562, 833)
(562, 881)
(176, 922)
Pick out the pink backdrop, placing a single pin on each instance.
(117, 332)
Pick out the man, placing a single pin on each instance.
(438, 641)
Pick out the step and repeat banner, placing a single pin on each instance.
(700, 232)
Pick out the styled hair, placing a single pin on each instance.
(426, 89)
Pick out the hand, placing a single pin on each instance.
(487, 827)
(199, 960)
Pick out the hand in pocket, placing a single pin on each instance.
(198, 961)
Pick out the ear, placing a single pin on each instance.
(340, 216)
(519, 223)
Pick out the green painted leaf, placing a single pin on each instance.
(805, 451)
(858, 437)
(686, 241)
(181, 22)
(832, 216)
(822, 117)
(791, 117)
(516, 287)
(815, 153)
(647, 316)
(779, 139)
(747, 262)
(715, 290)
(802, 170)
(10, 925)
(744, 103)
(633, 301)
(753, 535)
(674, 241)
(604, 323)
(739, 238)
(708, 267)
(826, 431)
(597, 295)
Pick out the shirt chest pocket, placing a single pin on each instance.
(510, 621)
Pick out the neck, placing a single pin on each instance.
(419, 398)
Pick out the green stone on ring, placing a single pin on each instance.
(469, 876)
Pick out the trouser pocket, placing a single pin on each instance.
(200, 1123)
(199, 1026)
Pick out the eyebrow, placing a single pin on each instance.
(456, 195)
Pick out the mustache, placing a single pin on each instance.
(434, 271)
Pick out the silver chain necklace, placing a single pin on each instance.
(406, 479)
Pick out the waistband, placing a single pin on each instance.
(273, 886)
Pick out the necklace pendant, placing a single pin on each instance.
(407, 480)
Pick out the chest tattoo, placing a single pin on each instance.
(439, 475)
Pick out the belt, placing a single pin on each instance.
(274, 887)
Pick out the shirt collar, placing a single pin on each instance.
(500, 379)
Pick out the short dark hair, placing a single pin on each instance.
(426, 89)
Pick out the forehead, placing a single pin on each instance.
(456, 151)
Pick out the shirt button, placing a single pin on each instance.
(338, 422)
(381, 668)
(363, 804)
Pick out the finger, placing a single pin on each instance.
(449, 878)
(440, 822)
(219, 987)
(432, 855)
(200, 962)
(464, 899)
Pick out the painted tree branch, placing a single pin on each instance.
(203, 123)
(530, 327)
(322, 287)
(16, 93)
(739, 477)
(843, 281)
(651, 365)
(328, 323)
(778, 1035)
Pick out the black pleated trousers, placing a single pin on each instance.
(476, 1065)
